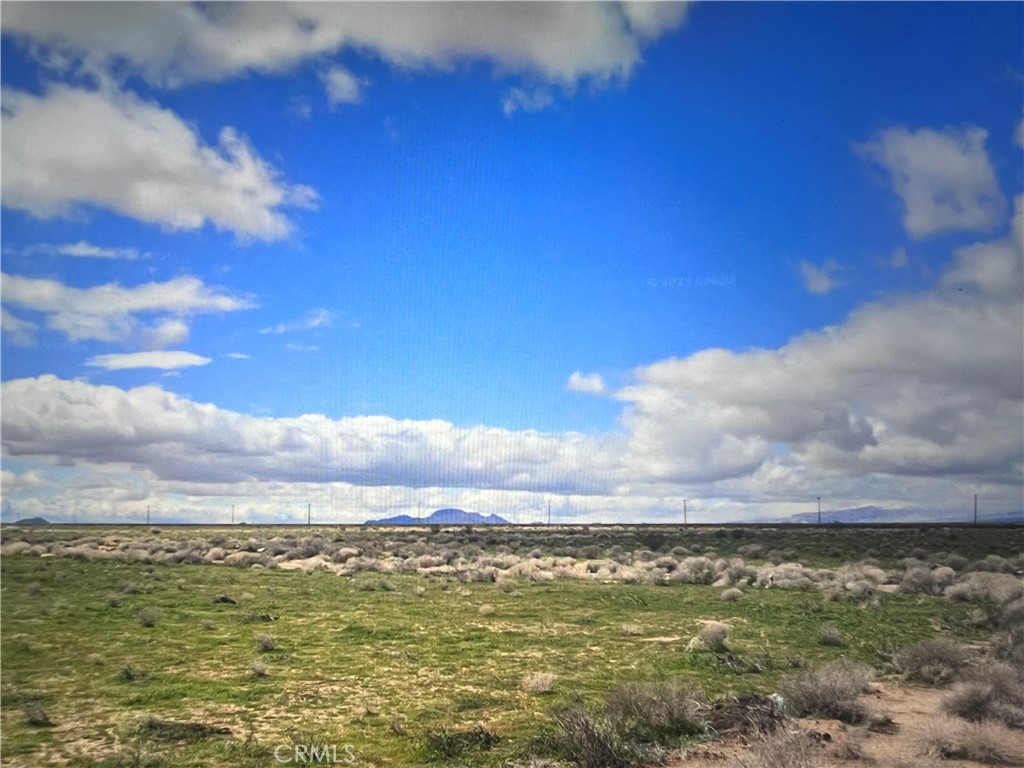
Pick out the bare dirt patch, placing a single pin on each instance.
(895, 736)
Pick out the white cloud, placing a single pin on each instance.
(177, 439)
(20, 332)
(899, 259)
(992, 268)
(163, 360)
(70, 147)
(926, 387)
(591, 384)
(301, 347)
(556, 42)
(342, 86)
(314, 318)
(944, 178)
(84, 250)
(152, 314)
(527, 100)
(238, 356)
(820, 280)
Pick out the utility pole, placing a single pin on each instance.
(819, 510)
(147, 515)
(975, 509)
(685, 523)
(549, 511)
(309, 513)
(232, 514)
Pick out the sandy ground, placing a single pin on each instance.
(912, 710)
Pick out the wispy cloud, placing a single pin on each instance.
(20, 332)
(112, 312)
(238, 356)
(820, 280)
(84, 250)
(314, 318)
(301, 347)
(591, 384)
(166, 360)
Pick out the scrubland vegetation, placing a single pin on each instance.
(601, 646)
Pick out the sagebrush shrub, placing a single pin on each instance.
(831, 635)
(934, 661)
(714, 636)
(538, 682)
(148, 617)
(830, 691)
(983, 742)
(994, 692)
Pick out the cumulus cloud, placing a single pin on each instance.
(820, 280)
(69, 147)
(152, 314)
(944, 178)
(925, 386)
(557, 42)
(179, 439)
(314, 318)
(590, 384)
(162, 360)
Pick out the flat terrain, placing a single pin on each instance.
(435, 633)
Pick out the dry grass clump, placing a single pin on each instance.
(258, 670)
(265, 643)
(486, 609)
(36, 715)
(784, 749)
(631, 630)
(995, 692)
(639, 723)
(933, 662)
(538, 682)
(832, 636)
(732, 594)
(830, 691)
(921, 579)
(714, 635)
(984, 742)
(148, 617)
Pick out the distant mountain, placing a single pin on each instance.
(442, 517)
(870, 514)
(32, 521)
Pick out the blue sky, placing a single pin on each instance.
(612, 255)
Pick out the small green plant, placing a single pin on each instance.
(451, 745)
(127, 671)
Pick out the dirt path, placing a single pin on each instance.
(912, 710)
